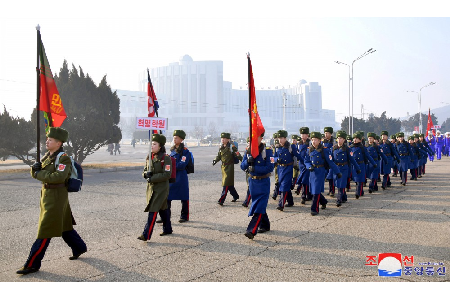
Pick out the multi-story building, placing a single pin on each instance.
(193, 94)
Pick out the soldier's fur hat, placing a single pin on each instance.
(58, 133)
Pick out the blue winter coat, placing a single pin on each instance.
(343, 159)
(328, 144)
(361, 155)
(391, 153)
(179, 190)
(285, 160)
(379, 157)
(259, 188)
(315, 160)
(303, 177)
(405, 153)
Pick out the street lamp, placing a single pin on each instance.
(349, 79)
(371, 50)
(420, 103)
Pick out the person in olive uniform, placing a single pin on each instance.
(179, 190)
(157, 172)
(260, 169)
(315, 161)
(228, 154)
(55, 218)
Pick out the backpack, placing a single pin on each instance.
(190, 164)
(76, 176)
(173, 176)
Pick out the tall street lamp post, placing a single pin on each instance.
(371, 50)
(349, 79)
(419, 99)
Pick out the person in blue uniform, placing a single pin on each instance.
(405, 153)
(285, 156)
(373, 170)
(343, 159)
(431, 143)
(328, 142)
(427, 148)
(316, 160)
(349, 178)
(229, 156)
(395, 163)
(295, 138)
(439, 145)
(392, 156)
(179, 190)
(259, 169)
(447, 144)
(360, 154)
(303, 177)
(418, 153)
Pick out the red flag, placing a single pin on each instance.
(430, 123)
(49, 100)
(256, 126)
(152, 104)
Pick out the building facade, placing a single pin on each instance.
(192, 94)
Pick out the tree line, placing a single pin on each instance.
(93, 113)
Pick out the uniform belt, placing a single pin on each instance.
(54, 186)
(342, 164)
(360, 162)
(317, 166)
(262, 177)
(375, 159)
(402, 154)
(285, 165)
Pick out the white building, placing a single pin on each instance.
(193, 94)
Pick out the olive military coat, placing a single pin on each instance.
(158, 187)
(55, 214)
(227, 155)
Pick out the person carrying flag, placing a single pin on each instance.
(259, 170)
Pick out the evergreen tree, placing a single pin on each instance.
(16, 138)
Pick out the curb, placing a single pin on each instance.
(87, 171)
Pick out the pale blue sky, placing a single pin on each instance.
(287, 40)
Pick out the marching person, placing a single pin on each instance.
(405, 153)
(295, 139)
(418, 153)
(276, 144)
(396, 163)
(361, 156)
(328, 142)
(116, 148)
(439, 144)
(315, 161)
(373, 171)
(389, 151)
(286, 156)
(303, 178)
(431, 143)
(342, 158)
(350, 176)
(55, 218)
(157, 172)
(447, 144)
(228, 155)
(427, 148)
(259, 169)
(179, 190)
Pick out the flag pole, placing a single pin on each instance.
(249, 99)
(38, 95)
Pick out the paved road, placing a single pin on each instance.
(412, 220)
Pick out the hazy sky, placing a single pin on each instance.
(287, 40)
